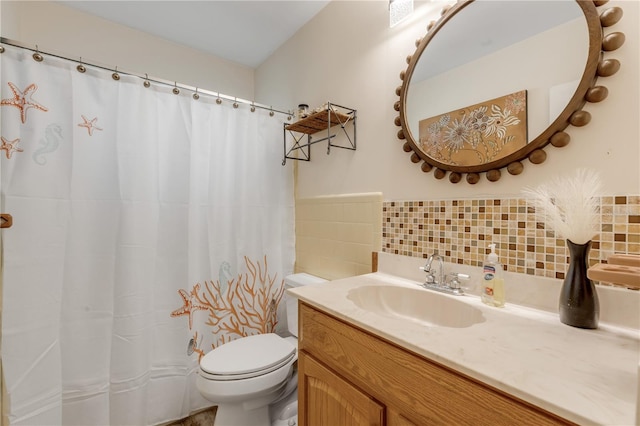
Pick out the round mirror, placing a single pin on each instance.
(493, 82)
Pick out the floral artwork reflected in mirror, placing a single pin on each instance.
(477, 134)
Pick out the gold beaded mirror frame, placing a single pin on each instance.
(555, 134)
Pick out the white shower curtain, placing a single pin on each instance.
(148, 228)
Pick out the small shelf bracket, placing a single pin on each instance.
(333, 115)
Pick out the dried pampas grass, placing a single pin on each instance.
(570, 205)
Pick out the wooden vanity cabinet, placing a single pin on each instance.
(348, 376)
(336, 401)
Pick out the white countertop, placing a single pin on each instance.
(586, 376)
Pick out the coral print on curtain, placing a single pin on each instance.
(235, 306)
(148, 228)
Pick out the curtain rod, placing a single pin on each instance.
(196, 90)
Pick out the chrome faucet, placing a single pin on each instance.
(445, 283)
(428, 268)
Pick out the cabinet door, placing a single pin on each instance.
(325, 399)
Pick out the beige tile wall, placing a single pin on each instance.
(461, 230)
(335, 235)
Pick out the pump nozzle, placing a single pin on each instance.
(492, 257)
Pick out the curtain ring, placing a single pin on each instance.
(196, 96)
(271, 113)
(146, 83)
(37, 56)
(81, 68)
(235, 103)
(1, 49)
(253, 107)
(218, 101)
(115, 75)
(175, 88)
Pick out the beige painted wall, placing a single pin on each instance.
(66, 31)
(349, 55)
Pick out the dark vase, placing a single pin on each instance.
(579, 305)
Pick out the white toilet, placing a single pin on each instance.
(254, 379)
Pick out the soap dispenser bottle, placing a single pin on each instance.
(492, 281)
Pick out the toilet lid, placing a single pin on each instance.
(248, 357)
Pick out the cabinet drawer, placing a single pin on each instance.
(422, 391)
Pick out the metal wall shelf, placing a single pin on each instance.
(334, 115)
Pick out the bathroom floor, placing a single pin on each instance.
(203, 418)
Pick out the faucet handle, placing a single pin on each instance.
(454, 279)
(430, 278)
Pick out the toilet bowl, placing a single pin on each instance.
(253, 380)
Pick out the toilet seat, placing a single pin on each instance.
(247, 357)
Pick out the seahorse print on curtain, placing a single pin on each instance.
(48, 144)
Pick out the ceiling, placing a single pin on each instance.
(242, 31)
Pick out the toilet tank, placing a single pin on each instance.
(291, 303)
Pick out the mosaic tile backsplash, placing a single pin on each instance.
(461, 230)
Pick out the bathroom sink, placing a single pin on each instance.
(416, 304)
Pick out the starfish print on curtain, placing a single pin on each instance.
(10, 146)
(191, 304)
(89, 124)
(23, 100)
